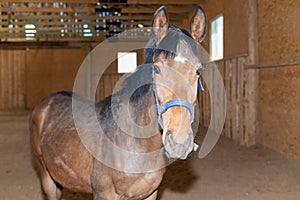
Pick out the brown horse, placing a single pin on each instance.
(171, 69)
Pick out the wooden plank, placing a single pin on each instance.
(40, 10)
(90, 10)
(152, 10)
(142, 2)
(204, 100)
(58, 23)
(14, 79)
(234, 110)
(9, 85)
(4, 70)
(221, 99)
(165, 2)
(53, 1)
(112, 83)
(6, 81)
(107, 85)
(205, 104)
(55, 16)
(90, 16)
(23, 81)
(2, 59)
(99, 93)
(207, 99)
(228, 88)
(220, 66)
(241, 99)
(200, 104)
(251, 108)
(214, 92)
(19, 75)
(17, 78)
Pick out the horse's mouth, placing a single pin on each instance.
(178, 150)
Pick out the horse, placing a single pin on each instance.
(172, 67)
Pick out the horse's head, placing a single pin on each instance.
(176, 73)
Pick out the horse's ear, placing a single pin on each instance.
(198, 25)
(160, 24)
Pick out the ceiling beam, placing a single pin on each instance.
(134, 2)
(52, 20)
(153, 9)
(53, 1)
(90, 10)
(165, 2)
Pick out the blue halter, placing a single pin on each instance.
(173, 102)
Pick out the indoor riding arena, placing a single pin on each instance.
(254, 49)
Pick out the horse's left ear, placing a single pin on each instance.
(160, 24)
(198, 25)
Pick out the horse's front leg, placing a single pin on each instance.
(106, 195)
(102, 185)
(103, 188)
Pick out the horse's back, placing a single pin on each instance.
(56, 144)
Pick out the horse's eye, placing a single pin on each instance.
(199, 71)
(156, 69)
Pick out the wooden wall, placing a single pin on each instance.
(12, 81)
(279, 88)
(239, 81)
(235, 14)
(50, 70)
(238, 85)
(29, 75)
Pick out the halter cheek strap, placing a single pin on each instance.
(171, 103)
(200, 85)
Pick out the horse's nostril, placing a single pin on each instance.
(169, 132)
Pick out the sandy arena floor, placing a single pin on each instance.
(230, 172)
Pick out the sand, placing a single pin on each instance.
(229, 172)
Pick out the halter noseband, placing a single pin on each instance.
(171, 103)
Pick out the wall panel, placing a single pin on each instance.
(50, 70)
(279, 102)
(12, 83)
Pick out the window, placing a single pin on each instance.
(216, 39)
(30, 31)
(127, 62)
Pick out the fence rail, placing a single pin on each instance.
(239, 87)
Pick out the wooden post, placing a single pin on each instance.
(251, 101)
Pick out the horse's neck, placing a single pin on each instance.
(139, 128)
(132, 130)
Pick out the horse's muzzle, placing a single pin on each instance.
(178, 150)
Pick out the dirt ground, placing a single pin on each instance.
(230, 172)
